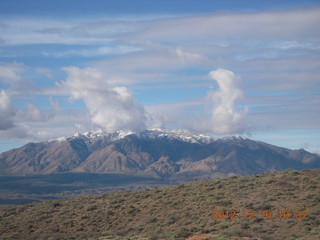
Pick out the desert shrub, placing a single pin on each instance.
(256, 228)
(183, 233)
(133, 211)
(245, 225)
(92, 207)
(270, 181)
(316, 200)
(109, 213)
(155, 236)
(265, 207)
(315, 230)
(222, 237)
(153, 220)
(311, 196)
(266, 237)
(282, 183)
(239, 233)
(85, 216)
(307, 228)
(223, 226)
(172, 219)
(181, 186)
(289, 238)
(226, 203)
(291, 223)
(249, 205)
(194, 229)
(56, 204)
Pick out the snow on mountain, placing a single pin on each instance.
(233, 138)
(180, 134)
(100, 134)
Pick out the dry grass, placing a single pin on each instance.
(177, 212)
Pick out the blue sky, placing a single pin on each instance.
(246, 68)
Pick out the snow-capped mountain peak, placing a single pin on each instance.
(180, 134)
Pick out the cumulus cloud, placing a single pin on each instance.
(222, 116)
(13, 122)
(111, 107)
(7, 111)
(225, 117)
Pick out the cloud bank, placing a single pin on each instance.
(115, 108)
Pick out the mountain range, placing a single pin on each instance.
(160, 153)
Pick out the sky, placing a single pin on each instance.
(247, 68)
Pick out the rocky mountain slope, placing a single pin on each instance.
(156, 153)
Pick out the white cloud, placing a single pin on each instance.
(54, 104)
(32, 114)
(222, 116)
(10, 73)
(44, 71)
(225, 28)
(111, 107)
(57, 125)
(155, 63)
(13, 122)
(233, 27)
(20, 31)
(7, 111)
(188, 57)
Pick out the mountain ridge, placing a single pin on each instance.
(159, 153)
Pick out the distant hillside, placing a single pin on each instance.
(181, 211)
(161, 153)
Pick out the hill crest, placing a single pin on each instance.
(181, 211)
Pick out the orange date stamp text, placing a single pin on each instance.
(250, 214)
